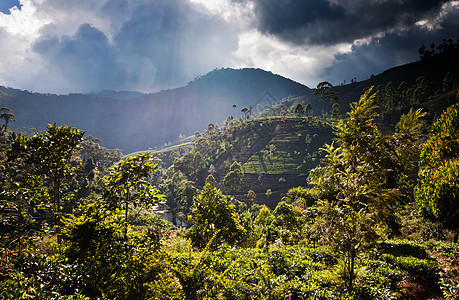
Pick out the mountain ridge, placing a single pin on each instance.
(142, 121)
(135, 121)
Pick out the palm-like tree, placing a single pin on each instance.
(7, 115)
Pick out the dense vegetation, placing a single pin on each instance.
(81, 222)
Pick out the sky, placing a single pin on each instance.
(68, 46)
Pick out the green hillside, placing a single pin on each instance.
(279, 146)
(275, 153)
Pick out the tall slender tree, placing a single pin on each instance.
(327, 93)
(126, 184)
(7, 115)
(363, 180)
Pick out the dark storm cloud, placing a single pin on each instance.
(330, 22)
(156, 45)
(391, 50)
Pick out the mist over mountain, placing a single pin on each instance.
(134, 121)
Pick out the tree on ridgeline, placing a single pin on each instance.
(327, 94)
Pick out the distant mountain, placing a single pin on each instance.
(434, 69)
(117, 94)
(134, 121)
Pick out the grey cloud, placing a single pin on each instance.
(85, 59)
(177, 39)
(393, 49)
(330, 22)
(157, 45)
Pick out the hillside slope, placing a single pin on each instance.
(135, 121)
(275, 153)
(434, 69)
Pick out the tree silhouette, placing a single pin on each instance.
(299, 109)
(328, 94)
(7, 115)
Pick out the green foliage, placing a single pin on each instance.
(448, 252)
(211, 180)
(212, 212)
(39, 277)
(126, 183)
(299, 110)
(363, 179)
(234, 178)
(22, 198)
(303, 196)
(92, 153)
(438, 187)
(40, 162)
(115, 267)
(251, 196)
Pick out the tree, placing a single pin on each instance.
(302, 196)
(96, 245)
(251, 196)
(308, 108)
(299, 109)
(245, 111)
(198, 162)
(234, 177)
(212, 213)
(126, 184)
(421, 90)
(7, 115)
(448, 82)
(287, 220)
(327, 93)
(49, 155)
(364, 180)
(19, 201)
(282, 181)
(437, 193)
(264, 227)
(211, 180)
(268, 193)
(90, 151)
(212, 170)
